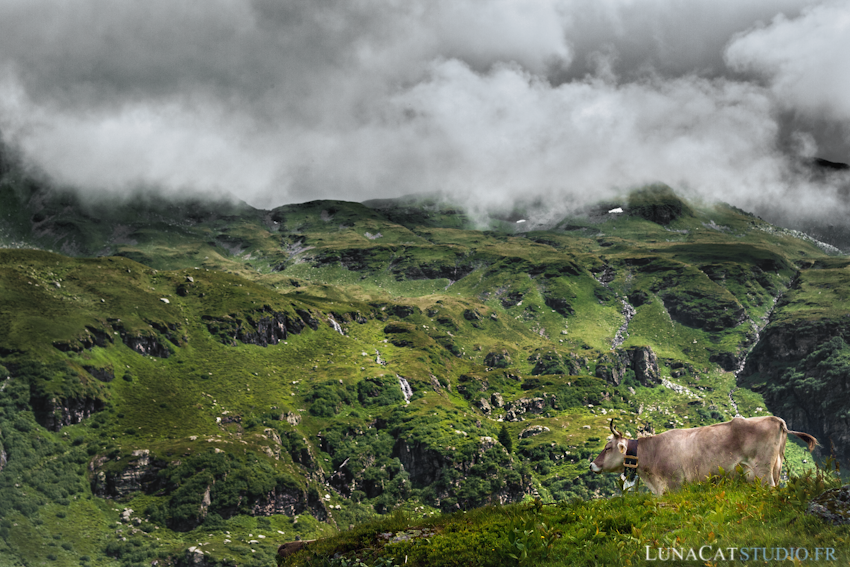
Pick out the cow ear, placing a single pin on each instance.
(621, 446)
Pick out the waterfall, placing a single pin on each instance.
(755, 341)
(734, 405)
(405, 388)
(335, 325)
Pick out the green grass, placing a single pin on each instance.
(721, 513)
(461, 314)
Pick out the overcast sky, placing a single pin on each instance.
(292, 100)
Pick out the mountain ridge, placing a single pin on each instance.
(227, 367)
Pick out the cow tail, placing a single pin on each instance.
(809, 439)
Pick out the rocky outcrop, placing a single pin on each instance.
(90, 338)
(422, 463)
(709, 312)
(832, 506)
(497, 359)
(290, 418)
(547, 362)
(146, 344)
(429, 467)
(612, 366)
(787, 343)
(140, 473)
(106, 374)
(512, 299)
(802, 368)
(3, 459)
(516, 409)
(658, 204)
(262, 328)
(290, 502)
(532, 431)
(55, 413)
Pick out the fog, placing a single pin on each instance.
(567, 101)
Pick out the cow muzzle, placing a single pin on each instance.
(595, 468)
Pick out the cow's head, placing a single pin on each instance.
(611, 457)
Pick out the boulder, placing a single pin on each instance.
(532, 431)
(832, 506)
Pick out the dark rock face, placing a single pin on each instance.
(497, 359)
(612, 366)
(308, 319)
(146, 345)
(514, 410)
(496, 400)
(427, 466)
(645, 365)
(289, 502)
(658, 204)
(547, 362)
(484, 406)
(511, 299)
(802, 367)
(472, 315)
(638, 298)
(832, 506)
(421, 462)
(140, 474)
(559, 304)
(268, 330)
(102, 374)
(262, 328)
(90, 338)
(726, 360)
(709, 313)
(532, 431)
(56, 413)
(402, 311)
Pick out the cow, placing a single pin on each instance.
(666, 461)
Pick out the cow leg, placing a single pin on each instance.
(777, 471)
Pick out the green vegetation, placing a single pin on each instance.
(721, 513)
(187, 374)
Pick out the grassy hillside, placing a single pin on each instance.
(710, 523)
(220, 378)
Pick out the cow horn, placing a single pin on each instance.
(614, 431)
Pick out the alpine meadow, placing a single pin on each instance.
(188, 382)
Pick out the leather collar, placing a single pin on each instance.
(630, 461)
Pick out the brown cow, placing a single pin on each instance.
(667, 460)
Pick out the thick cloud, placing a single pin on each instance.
(804, 60)
(487, 101)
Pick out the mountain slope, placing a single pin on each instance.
(225, 372)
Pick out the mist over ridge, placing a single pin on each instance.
(565, 103)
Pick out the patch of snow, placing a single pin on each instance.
(618, 210)
(520, 221)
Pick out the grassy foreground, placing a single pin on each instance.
(634, 529)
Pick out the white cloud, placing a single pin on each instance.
(485, 100)
(804, 59)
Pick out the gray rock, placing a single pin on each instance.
(832, 506)
(496, 400)
(532, 431)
